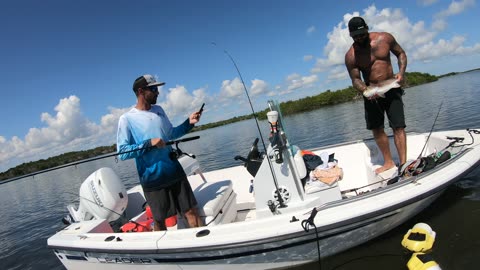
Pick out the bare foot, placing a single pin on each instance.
(385, 167)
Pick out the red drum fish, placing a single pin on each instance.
(381, 88)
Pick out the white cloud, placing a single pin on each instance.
(66, 125)
(180, 103)
(271, 93)
(295, 81)
(338, 43)
(109, 121)
(231, 88)
(258, 87)
(310, 30)
(200, 96)
(455, 8)
(338, 73)
(68, 130)
(178, 100)
(439, 25)
(443, 48)
(415, 37)
(307, 58)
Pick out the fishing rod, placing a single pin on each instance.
(431, 130)
(280, 199)
(403, 167)
(107, 156)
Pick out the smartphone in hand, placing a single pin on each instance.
(200, 112)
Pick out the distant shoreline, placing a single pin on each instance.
(309, 103)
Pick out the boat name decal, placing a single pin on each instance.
(125, 260)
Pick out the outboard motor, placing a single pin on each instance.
(102, 196)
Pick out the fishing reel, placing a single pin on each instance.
(176, 152)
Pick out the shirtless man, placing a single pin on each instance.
(370, 56)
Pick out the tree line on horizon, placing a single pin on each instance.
(326, 98)
(305, 104)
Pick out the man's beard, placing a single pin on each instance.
(153, 101)
(364, 43)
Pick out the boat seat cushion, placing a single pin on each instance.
(212, 196)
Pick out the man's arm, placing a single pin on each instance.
(398, 51)
(125, 148)
(354, 72)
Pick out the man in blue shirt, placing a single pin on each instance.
(146, 128)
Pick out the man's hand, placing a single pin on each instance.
(194, 117)
(157, 142)
(399, 78)
(371, 93)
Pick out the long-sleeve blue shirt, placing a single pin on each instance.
(135, 129)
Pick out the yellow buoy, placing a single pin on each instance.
(422, 261)
(419, 239)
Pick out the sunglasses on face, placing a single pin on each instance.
(152, 88)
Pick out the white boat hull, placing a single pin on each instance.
(294, 250)
(271, 240)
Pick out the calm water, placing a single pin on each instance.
(32, 207)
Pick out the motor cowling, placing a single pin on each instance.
(102, 196)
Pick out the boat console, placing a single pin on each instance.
(278, 183)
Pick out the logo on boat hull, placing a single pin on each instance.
(125, 260)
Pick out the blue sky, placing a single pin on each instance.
(67, 67)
